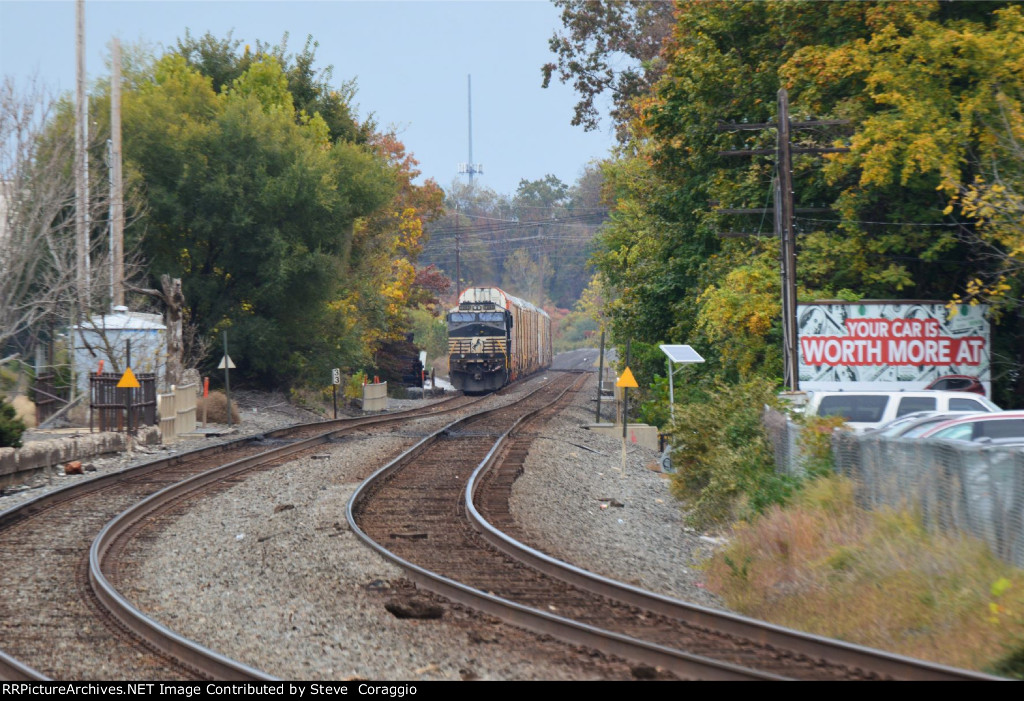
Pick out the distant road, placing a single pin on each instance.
(584, 359)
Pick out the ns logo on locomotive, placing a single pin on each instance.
(495, 338)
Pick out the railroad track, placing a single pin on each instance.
(61, 616)
(441, 512)
(164, 655)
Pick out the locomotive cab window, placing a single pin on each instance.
(476, 324)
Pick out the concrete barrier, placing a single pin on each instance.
(20, 465)
(644, 435)
(375, 396)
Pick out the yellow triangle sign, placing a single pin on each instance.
(627, 380)
(128, 379)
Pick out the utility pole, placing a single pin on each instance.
(469, 169)
(81, 166)
(784, 230)
(116, 191)
(458, 268)
(600, 377)
(783, 213)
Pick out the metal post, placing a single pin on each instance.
(334, 398)
(227, 380)
(469, 102)
(625, 398)
(600, 378)
(128, 392)
(671, 392)
(784, 226)
(625, 413)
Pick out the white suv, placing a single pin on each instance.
(871, 409)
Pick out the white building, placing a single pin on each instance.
(104, 338)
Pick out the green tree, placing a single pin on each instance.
(311, 89)
(11, 427)
(252, 208)
(921, 82)
(608, 46)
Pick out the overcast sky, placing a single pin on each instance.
(410, 59)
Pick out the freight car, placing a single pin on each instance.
(495, 338)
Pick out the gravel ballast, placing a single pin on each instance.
(260, 412)
(568, 500)
(268, 573)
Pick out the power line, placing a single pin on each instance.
(882, 223)
(515, 225)
(783, 213)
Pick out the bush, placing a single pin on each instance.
(725, 463)
(816, 444)
(216, 408)
(11, 427)
(354, 386)
(824, 565)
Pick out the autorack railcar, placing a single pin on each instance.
(494, 339)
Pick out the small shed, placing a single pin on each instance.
(104, 338)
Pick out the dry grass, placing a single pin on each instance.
(874, 578)
(440, 366)
(217, 409)
(25, 410)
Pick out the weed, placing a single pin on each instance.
(726, 465)
(11, 427)
(215, 408)
(824, 565)
(354, 386)
(816, 444)
(742, 572)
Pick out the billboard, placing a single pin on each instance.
(890, 344)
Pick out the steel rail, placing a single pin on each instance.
(38, 504)
(884, 663)
(880, 661)
(145, 628)
(674, 660)
(166, 640)
(13, 670)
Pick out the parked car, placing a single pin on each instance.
(958, 383)
(871, 409)
(1000, 428)
(913, 425)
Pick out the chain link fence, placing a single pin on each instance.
(963, 487)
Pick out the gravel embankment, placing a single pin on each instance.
(260, 412)
(273, 577)
(267, 572)
(564, 501)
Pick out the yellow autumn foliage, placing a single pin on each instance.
(737, 314)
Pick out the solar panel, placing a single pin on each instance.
(682, 354)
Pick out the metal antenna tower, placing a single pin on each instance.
(470, 168)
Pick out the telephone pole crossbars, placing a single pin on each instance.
(783, 213)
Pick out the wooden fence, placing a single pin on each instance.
(177, 412)
(113, 408)
(48, 398)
